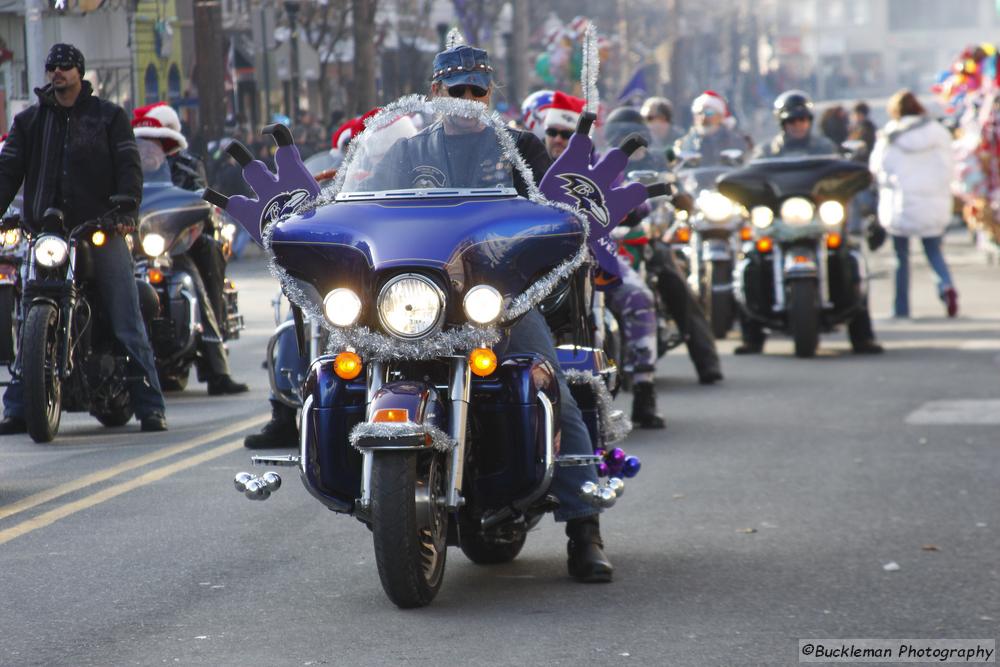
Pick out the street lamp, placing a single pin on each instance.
(292, 9)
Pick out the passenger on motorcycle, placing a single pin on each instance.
(712, 131)
(465, 72)
(631, 300)
(793, 110)
(204, 261)
(658, 113)
(73, 151)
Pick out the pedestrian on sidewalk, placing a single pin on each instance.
(912, 162)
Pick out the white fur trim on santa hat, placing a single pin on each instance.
(160, 122)
(707, 101)
(561, 117)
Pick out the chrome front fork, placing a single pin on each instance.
(459, 385)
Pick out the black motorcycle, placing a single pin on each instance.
(69, 358)
(11, 258)
(170, 221)
(800, 275)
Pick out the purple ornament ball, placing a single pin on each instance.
(616, 456)
(602, 469)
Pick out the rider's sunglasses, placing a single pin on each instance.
(553, 132)
(52, 67)
(459, 91)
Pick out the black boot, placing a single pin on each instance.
(587, 561)
(644, 406)
(13, 425)
(219, 385)
(281, 431)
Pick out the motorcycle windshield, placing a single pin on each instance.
(768, 182)
(155, 168)
(439, 148)
(702, 178)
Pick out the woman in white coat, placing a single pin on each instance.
(912, 162)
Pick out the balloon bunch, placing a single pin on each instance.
(562, 61)
(974, 70)
(616, 463)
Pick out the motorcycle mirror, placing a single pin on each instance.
(124, 203)
(731, 156)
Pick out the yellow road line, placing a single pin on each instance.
(102, 475)
(63, 511)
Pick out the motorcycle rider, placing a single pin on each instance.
(465, 72)
(793, 110)
(658, 113)
(674, 290)
(203, 261)
(631, 300)
(74, 151)
(712, 131)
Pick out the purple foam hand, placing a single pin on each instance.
(591, 189)
(276, 194)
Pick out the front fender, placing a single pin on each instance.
(403, 415)
(800, 262)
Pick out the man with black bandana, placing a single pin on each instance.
(73, 151)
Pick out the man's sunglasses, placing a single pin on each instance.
(52, 67)
(459, 91)
(553, 132)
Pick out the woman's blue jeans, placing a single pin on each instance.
(935, 257)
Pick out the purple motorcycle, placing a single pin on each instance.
(426, 250)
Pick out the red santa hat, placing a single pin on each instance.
(350, 129)
(159, 121)
(710, 100)
(565, 110)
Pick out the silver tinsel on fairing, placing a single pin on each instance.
(377, 346)
(440, 440)
(615, 426)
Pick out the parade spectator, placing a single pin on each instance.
(912, 162)
(834, 124)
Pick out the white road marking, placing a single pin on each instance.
(957, 412)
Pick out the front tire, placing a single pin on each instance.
(721, 303)
(803, 315)
(7, 320)
(410, 541)
(40, 373)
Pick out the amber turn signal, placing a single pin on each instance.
(682, 235)
(98, 238)
(746, 233)
(483, 361)
(765, 244)
(391, 415)
(347, 366)
(155, 276)
(834, 240)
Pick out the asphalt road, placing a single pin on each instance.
(765, 513)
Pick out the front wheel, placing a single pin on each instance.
(722, 303)
(803, 314)
(40, 373)
(409, 524)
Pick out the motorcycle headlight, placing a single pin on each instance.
(716, 206)
(761, 217)
(483, 304)
(51, 251)
(831, 212)
(229, 231)
(342, 307)
(153, 244)
(797, 211)
(410, 306)
(11, 237)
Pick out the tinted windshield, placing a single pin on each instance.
(155, 168)
(696, 180)
(430, 148)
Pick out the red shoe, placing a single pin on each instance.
(950, 297)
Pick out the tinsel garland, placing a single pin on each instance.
(381, 347)
(614, 427)
(590, 69)
(440, 440)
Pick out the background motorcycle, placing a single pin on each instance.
(12, 249)
(800, 276)
(171, 220)
(69, 358)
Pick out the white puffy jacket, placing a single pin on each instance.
(911, 161)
